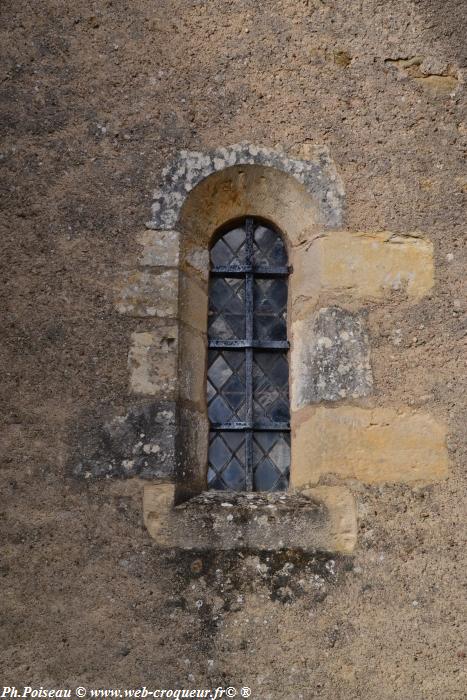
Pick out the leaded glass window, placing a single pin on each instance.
(248, 377)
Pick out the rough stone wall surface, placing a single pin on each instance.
(332, 358)
(97, 98)
(138, 443)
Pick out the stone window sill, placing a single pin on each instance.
(319, 519)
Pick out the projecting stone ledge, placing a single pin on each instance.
(322, 519)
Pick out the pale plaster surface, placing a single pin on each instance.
(152, 361)
(143, 293)
(159, 248)
(342, 510)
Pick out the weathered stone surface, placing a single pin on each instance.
(147, 293)
(159, 248)
(193, 306)
(192, 367)
(240, 190)
(330, 359)
(192, 452)
(189, 168)
(372, 445)
(255, 521)
(342, 510)
(439, 84)
(198, 259)
(142, 443)
(152, 361)
(432, 74)
(362, 266)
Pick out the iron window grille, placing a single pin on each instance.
(247, 381)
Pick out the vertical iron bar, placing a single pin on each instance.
(249, 291)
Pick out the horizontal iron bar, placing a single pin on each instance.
(259, 427)
(257, 270)
(256, 344)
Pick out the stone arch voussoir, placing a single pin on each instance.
(317, 174)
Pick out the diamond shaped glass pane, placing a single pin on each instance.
(269, 248)
(265, 476)
(270, 387)
(234, 476)
(226, 392)
(271, 460)
(227, 461)
(270, 309)
(229, 249)
(219, 370)
(219, 453)
(280, 453)
(226, 308)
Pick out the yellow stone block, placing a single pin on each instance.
(193, 308)
(362, 266)
(192, 366)
(371, 445)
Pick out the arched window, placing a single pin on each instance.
(247, 379)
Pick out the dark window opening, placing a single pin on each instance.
(248, 377)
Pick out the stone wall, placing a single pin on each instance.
(97, 99)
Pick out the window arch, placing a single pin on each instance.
(247, 379)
